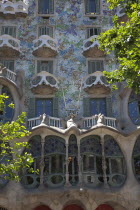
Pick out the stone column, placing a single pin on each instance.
(79, 162)
(42, 164)
(67, 163)
(104, 167)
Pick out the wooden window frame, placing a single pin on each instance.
(46, 15)
(91, 26)
(4, 25)
(46, 26)
(44, 59)
(7, 59)
(93, 15)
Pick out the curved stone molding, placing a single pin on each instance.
(9, 46)
(96, 83)
(14, 8)
(45, 46)
(44, 83)
(91, 47)
(121, 15)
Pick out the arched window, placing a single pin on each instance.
(91, 155)
(42, 207)
(73, 207)
(134, 108)
(32, 180)
(8, 113)
(115, 163)
(136, 159)
(73, 160)
(54, 170)
(104, 207)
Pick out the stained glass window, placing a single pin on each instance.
(136, 159)
(116, 169)
(134, 108)
(73, 160)
(54, 170)
(91, 154)
(7, 114)
(29, 179)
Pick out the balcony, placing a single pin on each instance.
(89, 122)
(91, 48)
(12, 9)
(9, 46)
(44, 83)
(8, 74)
(48, 120)
(45, 46)
(96, 83)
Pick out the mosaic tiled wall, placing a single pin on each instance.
(69, 24)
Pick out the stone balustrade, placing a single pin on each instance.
(96, 83)
(44, 83)
(45, 46)
(91, 47)
(86, 122)
(8, 74)
(9, 46)
(13, 8)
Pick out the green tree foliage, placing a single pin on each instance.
(12, 160)
(124, 40)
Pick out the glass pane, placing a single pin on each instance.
(44, 106)
(117, 165)
(98, 105)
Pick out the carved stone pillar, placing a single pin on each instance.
(67, 163)
(79, 162)
(42, 164)
(104, 167)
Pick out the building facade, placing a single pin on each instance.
(85, 137)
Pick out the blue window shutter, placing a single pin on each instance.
(97, 2)
(55, 107)
(51, 6)
(109, 107)
(31, 110)
(87, 6)
(86, 107)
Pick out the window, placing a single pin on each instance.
(98, 105)
(93, 106)
(9, 64)
(95, 65)
(44, 106)
(136, 159)
(92, 7)
(39, 106)
(45, 7)
(9, 30)
(45, 30)
(45, 66)
(134, 108)
(7, 114)
(93, 31)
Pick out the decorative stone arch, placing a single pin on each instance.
(74, 205)
(42, 207)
